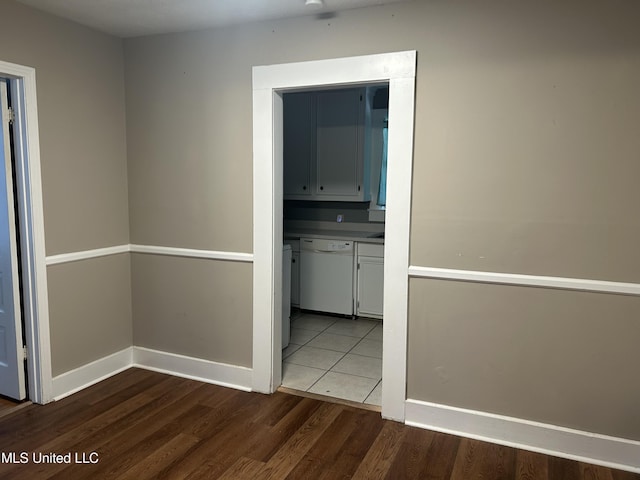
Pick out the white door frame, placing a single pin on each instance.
(30, 212)
(269, 82)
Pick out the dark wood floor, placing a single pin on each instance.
(145, 425)
(6, 404)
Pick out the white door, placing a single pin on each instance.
(12, 381)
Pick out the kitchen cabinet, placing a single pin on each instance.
(339, 145)
(370, 280)
(324, 146)
(295, 272)
(363, 279)
(299, 138)
(295, 279)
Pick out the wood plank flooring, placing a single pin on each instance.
(6, 404)
(146, 425)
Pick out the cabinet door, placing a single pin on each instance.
(298, 132)
(295, 279)
(370, 286)
(338, 150)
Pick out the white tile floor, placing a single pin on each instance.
(333, 356)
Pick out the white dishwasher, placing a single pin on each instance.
(326, 275)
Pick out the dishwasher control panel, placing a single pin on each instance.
(339, 246)
(324, 245)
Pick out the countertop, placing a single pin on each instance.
(354, 236)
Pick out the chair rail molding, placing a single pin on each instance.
(563, 283)
(149, 249)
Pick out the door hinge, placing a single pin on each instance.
(11, 114)
(24, 352)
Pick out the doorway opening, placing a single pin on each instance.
(269, 83)
(334, 192)
(28, 338)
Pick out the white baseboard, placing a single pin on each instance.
(194, 368)
(94, 372)
(179, 365)
(549, 439)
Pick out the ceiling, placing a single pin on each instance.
(131, 18)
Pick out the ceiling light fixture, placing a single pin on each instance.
(314, 3)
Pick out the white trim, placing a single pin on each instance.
(30, 213)
(268, 84)
(193, 253)
(539, 437)
(581, 284)
(265, 241)
(173, 364)
(396, 252)
(91, 373)
(193, 368)
(336, 71)
(86, 254)
(156, 250)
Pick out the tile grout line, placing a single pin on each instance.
(344, 354)
(369, 394)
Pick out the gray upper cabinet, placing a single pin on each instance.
(298, 126)
(339, 144)
(323, 146)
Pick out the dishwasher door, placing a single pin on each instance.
(326, 275)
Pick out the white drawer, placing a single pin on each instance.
(371, 249)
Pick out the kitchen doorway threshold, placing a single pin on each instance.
(326, 398)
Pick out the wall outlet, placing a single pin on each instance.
(340, 218)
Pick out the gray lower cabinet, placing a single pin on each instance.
(295, 279)
(295, 270)
(370, 280)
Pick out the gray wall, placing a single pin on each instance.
(525, 161)
(526, 154)
(193, 307)
(80, 88)
(560, 357)
(90, 309)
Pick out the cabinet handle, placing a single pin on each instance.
(304, 187)
(358, 187)
(293, 260)
(321, 187)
